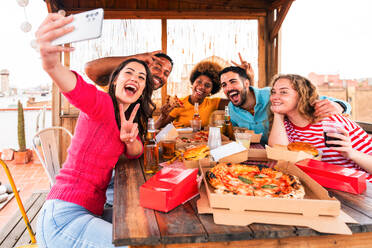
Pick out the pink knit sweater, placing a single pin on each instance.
(94, 150)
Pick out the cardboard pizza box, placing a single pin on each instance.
(279, 152)
(255, 138)
(335, 176)
(168, 188)
(317, 201)
(324, 224)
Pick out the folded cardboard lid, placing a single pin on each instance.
(282, 153)
(316, 166)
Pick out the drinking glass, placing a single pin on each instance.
(168, 147)
(196, 125)
(243, 138)
(330, 127)
(214, 138)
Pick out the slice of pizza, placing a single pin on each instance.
(303, 146)
(174, 101)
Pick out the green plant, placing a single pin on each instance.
(21, 128)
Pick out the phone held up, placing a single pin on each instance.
(88, 25)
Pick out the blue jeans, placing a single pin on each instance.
(63, 224)
(110, 191)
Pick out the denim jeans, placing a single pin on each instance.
(63, 224)
(110, 191)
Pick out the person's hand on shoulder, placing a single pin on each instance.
(325, 108)
(246, 66)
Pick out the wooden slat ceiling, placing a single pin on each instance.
(169, 8)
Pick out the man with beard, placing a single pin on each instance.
(248, 104)
(160, 65)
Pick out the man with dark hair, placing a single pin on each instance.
(160, 65)
(248, 104)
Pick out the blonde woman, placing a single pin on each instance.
(292, 111)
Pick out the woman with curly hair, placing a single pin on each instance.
(109, 125)
(292, 110)
(205, 82)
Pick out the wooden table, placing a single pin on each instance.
(184, 227)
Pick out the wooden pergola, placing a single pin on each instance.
(269, 14)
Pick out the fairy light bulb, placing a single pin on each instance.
(26, 26)
(22, 3)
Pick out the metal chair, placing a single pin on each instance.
(48, 140)
(20, 205)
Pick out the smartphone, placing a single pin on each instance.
(88, 25)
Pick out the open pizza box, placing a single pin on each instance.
(317, 210)
(255, 138)
(234, 153)
(279, 152)
(231, 151)
(191, 141)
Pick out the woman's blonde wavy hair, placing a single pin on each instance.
(307, 95)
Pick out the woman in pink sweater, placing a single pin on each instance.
(108, 126)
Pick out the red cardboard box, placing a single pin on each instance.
(168, 188)
(335, 176)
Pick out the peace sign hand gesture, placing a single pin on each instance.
(149, 57)
(246, 66)
(128, 130)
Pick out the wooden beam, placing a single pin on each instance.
(278, 3)
(174, 14)
(164, 45)
(279, 20)
(262, 57)
(270, 49)
(49, 6)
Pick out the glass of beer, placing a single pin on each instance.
(168, 147)
(243, 138)
(330, 127)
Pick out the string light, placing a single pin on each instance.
(25, 26)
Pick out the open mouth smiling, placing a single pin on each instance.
(233, 94)
(157, 82)
(130, 89)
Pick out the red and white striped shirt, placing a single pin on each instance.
(313, 134)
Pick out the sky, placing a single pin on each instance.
(321, 36)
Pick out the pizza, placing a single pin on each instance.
(174, 102)
(253, 180)
(303, 146)
(200, 136)
(196, 153)
(191, 153)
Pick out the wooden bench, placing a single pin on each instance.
(15, 232)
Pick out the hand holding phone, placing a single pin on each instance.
(87, 25)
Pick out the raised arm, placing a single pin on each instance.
(51, 28)
(278, 134)
(99, 70)
(246, 66)
(163, 120)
